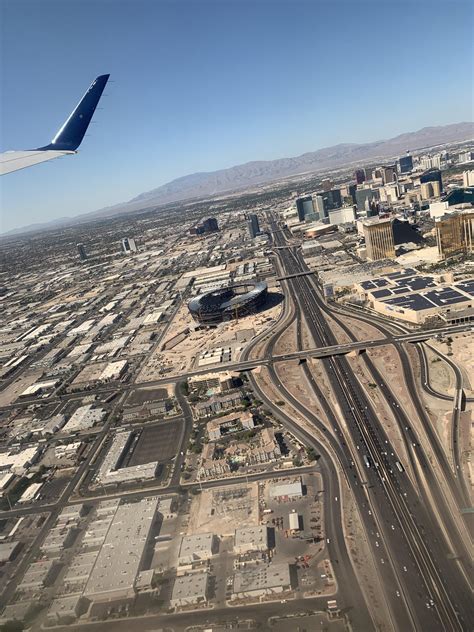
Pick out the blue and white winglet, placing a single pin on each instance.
(68, 138)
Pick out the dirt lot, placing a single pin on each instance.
(143, 395)
(460, 349)
(89, 373)
(183, 356)
(222, 510)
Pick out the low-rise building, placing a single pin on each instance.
(286, 491)
(110, 471)
(218, 403)
(217, 428)
(144, 411)
(8, 551)
(58, 539)
(118, 563)
(212, 467)
(65, 609)
(197, 547)
(294, 521)
(190, 590)
(84, 418)
(30, 493)
(267, 579)
(18, 461)
(114, 370)
(220, 381)
(247, 539)
(37, 577)
(418, 298)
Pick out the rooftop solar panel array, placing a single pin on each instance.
(466, 286)
(416, 302)
(446, 296)
(407, 289)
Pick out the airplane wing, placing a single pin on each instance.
(67, 139)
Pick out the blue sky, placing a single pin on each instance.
(202, 85)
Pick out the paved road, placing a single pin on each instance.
(316, 352)
(454, 479)
(179, 622)
(412, 530)
(349, 596)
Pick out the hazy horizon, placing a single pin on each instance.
(193, 94)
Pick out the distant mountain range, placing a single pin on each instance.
(208, 184)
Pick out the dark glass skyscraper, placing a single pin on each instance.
(210, 225)
(304, 206)
(82, 252)
(359, 176)
(405, 164)
(352, 192)
(253, 226)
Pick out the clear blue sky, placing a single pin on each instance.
(201, 85)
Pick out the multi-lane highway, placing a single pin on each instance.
(455, 475)
(441, 597)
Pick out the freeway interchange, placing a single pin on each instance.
(413, 525)
(421, 558)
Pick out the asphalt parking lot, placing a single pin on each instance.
(157, 443)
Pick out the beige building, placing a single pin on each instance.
(234, 422)
(379, 241)
(197, 547)
(189, 590)
(120, 557)
(417, 298)
(253, 582)
(468, 178)
(247, 539)
(430, 190)
(455, 234)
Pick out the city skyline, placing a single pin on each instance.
(255, 407)
(241, 86)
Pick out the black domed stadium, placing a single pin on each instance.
(217, 306)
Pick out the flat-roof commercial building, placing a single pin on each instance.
(114, 573)
(111, 472)
(379, 240)
(261, 580)
(8, 551)
(84, 418)
(294, 521)
(189, 590)
(79, 571)
(57, 540)
(416, 298)
(18, 461)
(197, 547)
(30, 493)
(114, 370)
(286, 490)
(247, 539)
(37, 577)
(65, 609)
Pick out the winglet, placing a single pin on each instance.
(70, 136)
